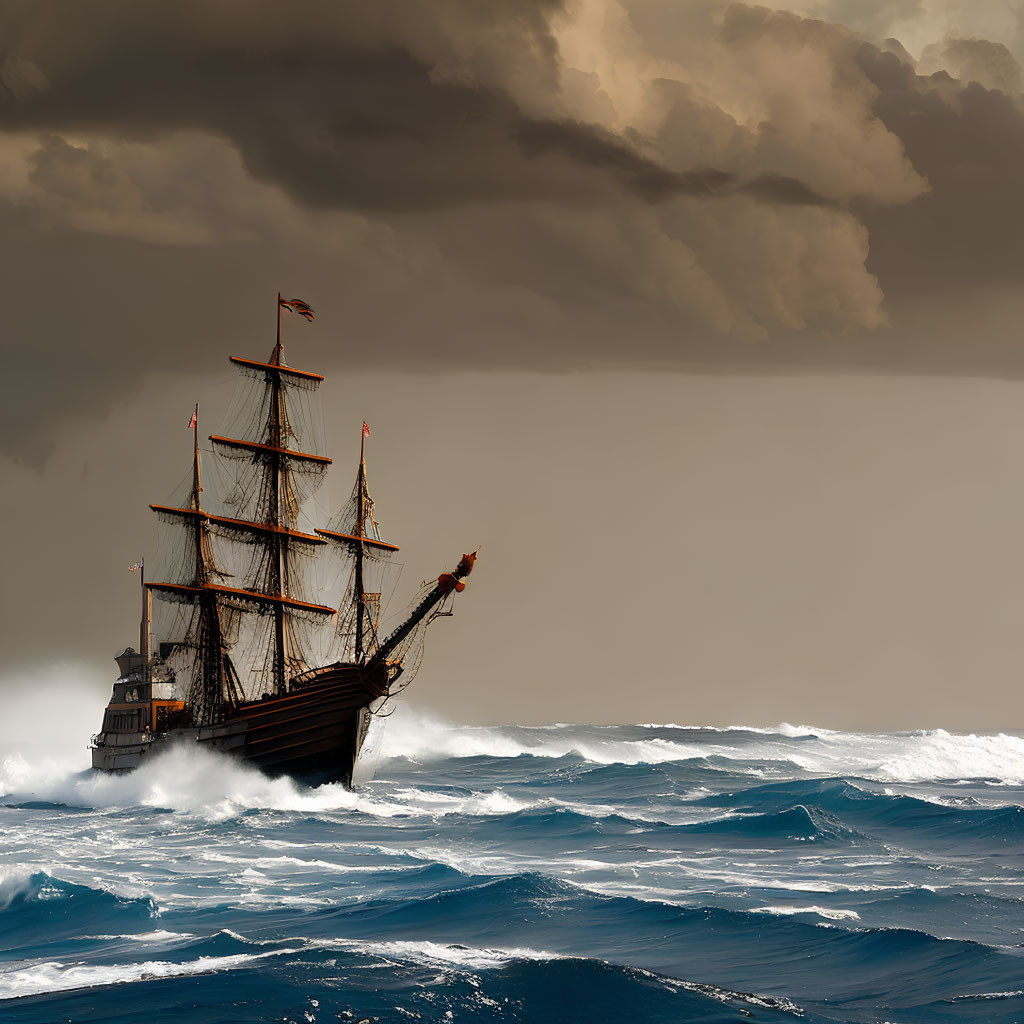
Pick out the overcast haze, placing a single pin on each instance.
(703, 319)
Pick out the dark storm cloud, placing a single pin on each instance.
(340, 118)
(590, 147)
(495, 186)
(964, 136)
(977, 60)
(969, 142)
(778, 188)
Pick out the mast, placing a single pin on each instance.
(145, 627)
(360, 593)
(193, 500)
(214, 678)
(266, 473)
(210, 642)
(363, 545)
(279, 553)
(270, 524)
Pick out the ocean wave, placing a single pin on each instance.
(879, 813)
(416, 736)
(829, 913)
(480, 878)
(1015, 994)
(419, 980)
(799, 822)
(38, 908)
(436, 954)
(730, 948)
(571, 969)
(56, 976)
(766, 945)
(21, 888)
(892, 757)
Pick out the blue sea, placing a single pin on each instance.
(626, 873)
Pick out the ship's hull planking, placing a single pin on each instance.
(313, 734)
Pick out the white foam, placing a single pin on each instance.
(15, 881)
(1014, 994)
(886, 757)
(191, 779)
(491, 802)
(421, 737)
(159, 935)
(216, 787)
(942, 755)
(56, 976)
(435, 954)
(37, 775)
(832, 913)
(783, 729)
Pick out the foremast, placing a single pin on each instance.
(360, 610)
(356, 529)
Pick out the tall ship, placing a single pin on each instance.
(248, 659)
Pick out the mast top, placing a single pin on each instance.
(197, 486)
(304, 309)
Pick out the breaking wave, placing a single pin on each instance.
(891, 757)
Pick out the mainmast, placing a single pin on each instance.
(266, 484)
(360, 593)
(272, 523)
(201, 574)
(279, 553)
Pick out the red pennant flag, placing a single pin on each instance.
(192, 421)
(366, 429)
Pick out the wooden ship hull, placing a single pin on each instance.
(283, 717)
(314, 734)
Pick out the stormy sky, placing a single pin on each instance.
(702, 318)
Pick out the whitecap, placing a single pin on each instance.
(831, 913)
(57, 976)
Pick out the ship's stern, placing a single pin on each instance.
(142, 707)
